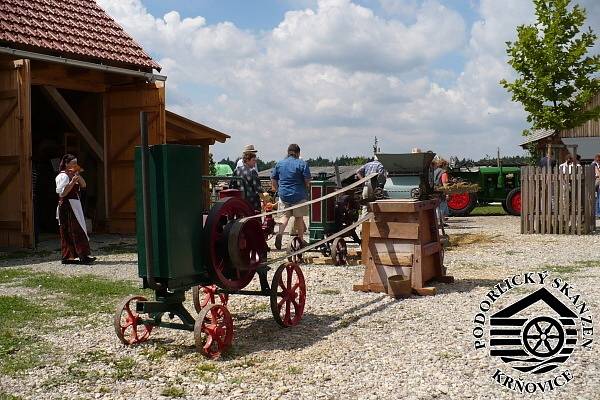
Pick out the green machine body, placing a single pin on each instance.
(176, 209)
(321, 213)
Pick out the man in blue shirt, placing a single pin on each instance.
(291, 178)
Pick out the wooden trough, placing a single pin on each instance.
(402, 239)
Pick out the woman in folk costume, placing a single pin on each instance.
(73, 234)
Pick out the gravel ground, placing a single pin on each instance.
(349, 344)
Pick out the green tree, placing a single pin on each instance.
(557, 76)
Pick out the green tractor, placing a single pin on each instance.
(496, 184)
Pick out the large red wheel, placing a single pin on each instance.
(128, 326)
(213, 330)
(204, 295)
(461, 204)
(513, 202)
(216, 243)
(294, 246)
(288, 294)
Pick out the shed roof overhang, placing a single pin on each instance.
(537, 136)
(185, 131)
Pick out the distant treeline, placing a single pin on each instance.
(313, 162)
(360, 160)
(492, 161)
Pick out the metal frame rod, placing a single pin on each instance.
(151, 77)
(146, 203)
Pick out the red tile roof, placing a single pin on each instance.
(77, 28)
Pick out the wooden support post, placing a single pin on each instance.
(73, 119)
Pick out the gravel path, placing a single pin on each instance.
(349, 344)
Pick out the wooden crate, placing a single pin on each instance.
(402, 239)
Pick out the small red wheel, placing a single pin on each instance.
(294, 246)
(213, 330)
(128, 323)
(204, 295)
(288, 294)
(458, 201)
(339, 251)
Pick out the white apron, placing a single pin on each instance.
(78, 211)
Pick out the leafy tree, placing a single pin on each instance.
(229, 162)
(556, 75)
(212, 169)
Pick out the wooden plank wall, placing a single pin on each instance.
(557, 202)
(16, 209)
(122, 108)
(590, 128)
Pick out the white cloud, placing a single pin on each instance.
(348, 36)
(332, 75)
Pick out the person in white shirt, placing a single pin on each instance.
(247, 149)
(69, 213)
(567, 165)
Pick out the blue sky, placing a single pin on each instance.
(331, 75)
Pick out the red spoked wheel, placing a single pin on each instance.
(288, 294)
(128, 323)
(339, 251)
(204, 295)
(294, 246)
(213, 330)
(216, 243)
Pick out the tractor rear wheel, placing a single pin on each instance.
(461, 204)
(513, 202)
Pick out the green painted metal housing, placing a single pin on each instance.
(322, 213)
(494, 182)
(176, 204)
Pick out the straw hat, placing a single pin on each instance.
(249, 148)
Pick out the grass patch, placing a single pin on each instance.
(85, 294)
(259, 307)
(207, 372)
(329, 292)
(488, 210)
(346, 322)
(571, 268)
(236, 380)
(95, 356)
(156, 353)
(8, 396)
(173, 391)
(447, 355)
(293, 370)
(8, 275)
(457, 240)
(124, 368)
(18, 351)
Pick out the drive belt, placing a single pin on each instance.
(306, 203)
(323, 241)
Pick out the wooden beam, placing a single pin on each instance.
(4, 116)
(71, 116)
(8, 179)
(8, 94)
(10, 225)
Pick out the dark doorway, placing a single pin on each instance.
(52, 137)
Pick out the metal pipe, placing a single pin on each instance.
(149, 76)
(146, 203)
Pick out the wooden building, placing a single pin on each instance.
(72, 80)
(583, 140)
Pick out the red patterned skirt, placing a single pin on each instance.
(73, 240)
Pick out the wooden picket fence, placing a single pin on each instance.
(555, 202)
